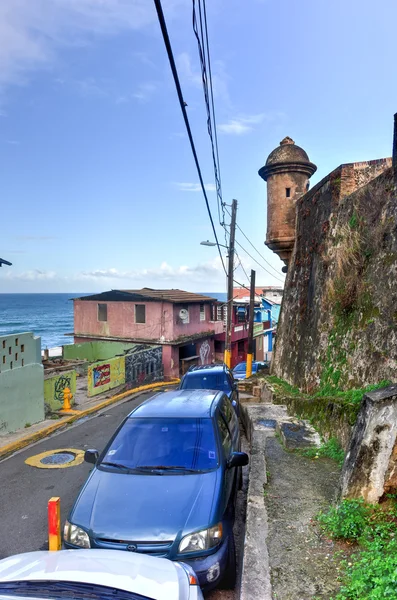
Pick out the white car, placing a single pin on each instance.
(96, 575)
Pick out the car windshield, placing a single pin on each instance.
(240, 368)
(206, 381)
(165, 444)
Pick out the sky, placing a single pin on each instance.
(98, 185)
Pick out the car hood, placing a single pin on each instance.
(146, 575)
(119, 506)
(239, 375)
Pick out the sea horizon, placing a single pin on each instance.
(49, 315)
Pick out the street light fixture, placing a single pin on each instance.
(208, 243)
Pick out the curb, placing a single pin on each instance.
(255, 577)
(9, 449)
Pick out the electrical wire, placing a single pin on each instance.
(254, 247)
(242, 266)
(257, 262)
(200, 29)
(182, 103)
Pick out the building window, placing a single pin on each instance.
(22, 347)
(202, 312)
(140, 313)
(288, 192)
(102, 312)
(16, 341)
(184, 314)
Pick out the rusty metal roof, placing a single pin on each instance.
(150, 295)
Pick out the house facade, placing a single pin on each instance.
(183, 323)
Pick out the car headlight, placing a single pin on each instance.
(76, 536)
(201, 540)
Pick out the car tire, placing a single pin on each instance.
(230, 575)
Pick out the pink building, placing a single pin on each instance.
(183, 323)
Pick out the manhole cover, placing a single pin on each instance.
(270, 423)
(58, 458)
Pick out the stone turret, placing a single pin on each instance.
(287, 172)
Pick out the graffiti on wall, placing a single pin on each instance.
(101, 375)
(144, 366)
(64, 381)
(105, 375)
(53, 389)
(205, 352)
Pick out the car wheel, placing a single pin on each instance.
(230, 575)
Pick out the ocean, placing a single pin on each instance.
(49, 316)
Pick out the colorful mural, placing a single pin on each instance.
(105, 375)
(144, 366)
(53, 389)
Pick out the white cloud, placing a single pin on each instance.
(192, 75)
(241, 125)
(194, 187)
(245, 123)
(32, 31)
(145, 91)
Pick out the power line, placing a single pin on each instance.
(205, 59)
(258, 263)
(242, 266)
(255, 248)
(182, 103)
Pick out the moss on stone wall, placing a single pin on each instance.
(338, 327)
(332, 412)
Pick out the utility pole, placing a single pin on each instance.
(250, 354)
(228, 337)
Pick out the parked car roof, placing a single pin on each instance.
(217, 367)
(148, 576)
(179, 403)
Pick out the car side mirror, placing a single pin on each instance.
(91, 456)
(237, 459)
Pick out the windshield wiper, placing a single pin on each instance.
(168, 468)
(116, 465)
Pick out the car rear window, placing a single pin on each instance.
(65, 590)
(157, 442)
(206, 381)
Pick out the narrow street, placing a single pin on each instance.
(25, 490)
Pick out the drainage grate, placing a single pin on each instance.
(58, 458)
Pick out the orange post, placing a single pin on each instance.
(54, 524)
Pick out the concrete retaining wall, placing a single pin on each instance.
(54, 387)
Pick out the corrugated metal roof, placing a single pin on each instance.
(148, 294)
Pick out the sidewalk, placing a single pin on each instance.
(12, 442)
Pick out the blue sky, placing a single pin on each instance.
(97, 181)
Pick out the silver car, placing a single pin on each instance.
(96, 575)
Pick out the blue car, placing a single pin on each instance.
(240, 370)
(166, 484)
(212, 377)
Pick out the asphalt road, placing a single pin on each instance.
(25, 490)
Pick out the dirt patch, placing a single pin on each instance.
(303, 564)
